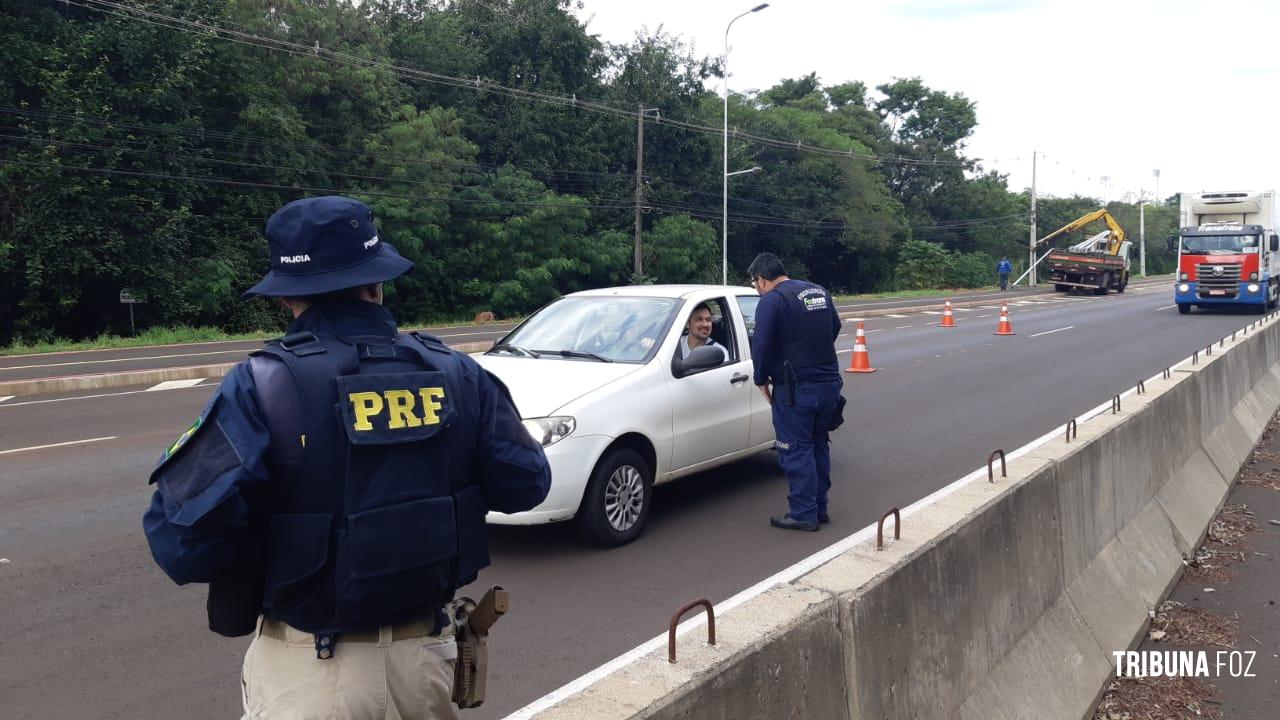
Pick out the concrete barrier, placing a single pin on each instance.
(132, 378)
(1002, 600)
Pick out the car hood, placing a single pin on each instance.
(542, 386)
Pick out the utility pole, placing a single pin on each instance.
(1031, 279)
(1142, 232)
(639, 250)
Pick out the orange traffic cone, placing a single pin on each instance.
(1005, 327)
(948, 320)
(861, 362)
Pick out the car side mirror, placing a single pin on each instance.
(701, 358)
(1275, 243)
(1172, 242)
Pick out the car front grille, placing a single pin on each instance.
(1229, 279)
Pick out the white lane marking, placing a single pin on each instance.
(868, 332)
(963, 309)
(89, 397)
(54, 445)
(1166, 307)
(899, 317)
(841, 352)
(126, 359)
(854, 320)
(930, 312)
(176, 384)
(5, 397)
(1050, 332)
(903, 327)
(983, 316)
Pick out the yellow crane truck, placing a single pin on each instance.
(1100, 263)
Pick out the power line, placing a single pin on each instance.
(315, 189)
(478, 84)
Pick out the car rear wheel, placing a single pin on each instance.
(617, 501)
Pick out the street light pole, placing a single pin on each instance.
(724, 220)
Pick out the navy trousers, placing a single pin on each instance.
(804, 444)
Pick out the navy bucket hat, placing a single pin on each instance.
(323, 244)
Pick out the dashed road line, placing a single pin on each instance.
(1050, 332)
(54, 445)
(897, 316)
(1166, 307)
(930, 312)
(5, 397)
(903, 327)
(176, 384)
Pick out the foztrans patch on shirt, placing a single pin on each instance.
(394, 407)
(813, 299)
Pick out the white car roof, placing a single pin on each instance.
(665, 291)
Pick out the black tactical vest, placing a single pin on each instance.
(373, 517)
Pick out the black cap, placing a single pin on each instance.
(323, 244)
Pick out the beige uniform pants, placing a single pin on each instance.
(409, 679)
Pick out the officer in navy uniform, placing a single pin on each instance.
(342, 474)
(793, 349)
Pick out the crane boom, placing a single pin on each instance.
(1117, 232)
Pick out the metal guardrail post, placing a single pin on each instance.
(675, 620)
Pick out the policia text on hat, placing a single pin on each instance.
(334, 490)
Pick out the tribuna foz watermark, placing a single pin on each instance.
(1184, 663)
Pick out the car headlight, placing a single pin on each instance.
(548, 431)
(1182, 276)
(1184, 288)
(1253, 287)
(1253, 276)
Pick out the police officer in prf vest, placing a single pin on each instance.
(337, 483)
(793, 350)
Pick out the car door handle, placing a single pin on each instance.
(737, 378)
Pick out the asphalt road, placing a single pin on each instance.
(27, 367)
(91, 629)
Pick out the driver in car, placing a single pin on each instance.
(699, 333)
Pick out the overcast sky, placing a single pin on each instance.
(1112, 88)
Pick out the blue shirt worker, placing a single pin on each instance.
(1004, 268)
(793, 350)
(333, 492)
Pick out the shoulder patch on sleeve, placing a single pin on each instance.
(199, 456)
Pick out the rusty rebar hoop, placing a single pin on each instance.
(1072, 429)
(1142, 387)
(1004, 470)
(1168, 373)
(897, 527)
(675, 620)
(1195, 358)
(1115, 404)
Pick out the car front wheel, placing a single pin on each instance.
(617, 500)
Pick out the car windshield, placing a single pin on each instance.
(1219, 244)
(594, 329)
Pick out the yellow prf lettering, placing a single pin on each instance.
(400, 406)
(365, 405)
(430, 404)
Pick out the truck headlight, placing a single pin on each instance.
(1253, 276)
(548, 431)
(1253, 287)
(1184, 288)
(1182, 276)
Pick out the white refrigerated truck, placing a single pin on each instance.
(1228, 252)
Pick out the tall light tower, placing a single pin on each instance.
(724, 222)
